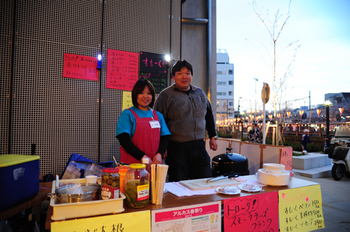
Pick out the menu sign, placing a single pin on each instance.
(300, 209)
(80, 67)
(127, 100)
(154, 67)
(158, 80)
(286, 158)
(252, 213)
(122, 69)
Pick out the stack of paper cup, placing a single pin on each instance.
(91, 179)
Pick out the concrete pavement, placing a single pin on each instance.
(336, 202)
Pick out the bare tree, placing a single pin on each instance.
(274, 28)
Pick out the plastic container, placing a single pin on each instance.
(137, 186)
(83, 209)
(147, 162)
(110, 182)
(19, 179)
(122, 172)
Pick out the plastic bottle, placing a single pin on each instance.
(122, 172)
(147, 162)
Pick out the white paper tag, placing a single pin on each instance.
(154, 124)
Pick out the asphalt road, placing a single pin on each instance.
(336, 203)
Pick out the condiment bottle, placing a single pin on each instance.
(137, 186)
(110, 182)
(122, 172)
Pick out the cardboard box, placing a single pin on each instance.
(19, 179)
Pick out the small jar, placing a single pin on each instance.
(110, 182)
(137, 186)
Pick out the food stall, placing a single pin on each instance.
(297, 206)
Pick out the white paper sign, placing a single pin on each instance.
(199, 217)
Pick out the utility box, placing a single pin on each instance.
(19, 179)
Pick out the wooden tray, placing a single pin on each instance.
(201, 184)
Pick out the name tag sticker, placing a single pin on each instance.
(154, 124)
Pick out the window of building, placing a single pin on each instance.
(219, 72)
(221, 82)
(230, 71)
(230, 93)
(230, 82)
(230, 103)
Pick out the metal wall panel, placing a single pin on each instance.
(175, 30)
(131, 26)
(59, 115)
(6, 24)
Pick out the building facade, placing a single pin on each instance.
(337, 97)
(225, 86)
(59, 116)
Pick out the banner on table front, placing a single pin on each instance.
(137, 221)
(252, 213)
(200, 217)
(300, 209)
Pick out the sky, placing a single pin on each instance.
(319, 34)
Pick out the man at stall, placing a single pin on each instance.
(188, 114)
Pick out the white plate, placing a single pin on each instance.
(228, 190)
(250, 188)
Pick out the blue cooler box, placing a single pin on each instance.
(19, 179)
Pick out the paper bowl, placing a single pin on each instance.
(273, 168)
(280, 179)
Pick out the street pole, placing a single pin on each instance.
(327, 104)
(256, 79)
(264, 119)
(327, 122)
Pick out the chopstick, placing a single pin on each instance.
(162, 170)
(116, 163)
(153, 183)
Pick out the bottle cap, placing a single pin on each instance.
(137, 166)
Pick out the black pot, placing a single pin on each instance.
(229, 163)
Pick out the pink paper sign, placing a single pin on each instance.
(286, 158)
(80, 67)
(122, 69)
(252, 213)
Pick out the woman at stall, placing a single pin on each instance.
(141, 131)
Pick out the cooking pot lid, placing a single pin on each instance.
(230, 156)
